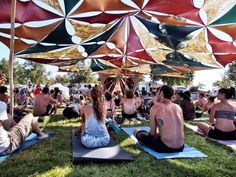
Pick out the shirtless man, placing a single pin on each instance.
(43, 103)
(168, 118)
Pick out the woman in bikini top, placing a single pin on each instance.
(222, 115)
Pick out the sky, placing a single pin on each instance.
(207, 77)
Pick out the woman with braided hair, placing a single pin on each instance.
(93, 130)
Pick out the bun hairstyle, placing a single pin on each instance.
(229, 92)
(96, 95)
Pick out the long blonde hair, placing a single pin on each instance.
(98, 105)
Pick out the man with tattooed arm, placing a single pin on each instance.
(167, 117)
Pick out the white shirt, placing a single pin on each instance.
(4, 139)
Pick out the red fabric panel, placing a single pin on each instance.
(217, 44)
(142, 55)
(19, 45)
(184, 9)
(133, 42)
(36, 34)
(103, 18)
(25, 12)
(229, 29)
(225, 59)
(101, 5)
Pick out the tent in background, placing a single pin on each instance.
(64, 89)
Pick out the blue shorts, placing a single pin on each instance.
(94, 142)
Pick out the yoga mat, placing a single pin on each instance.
(188, 152)
(112, 152)
(29, 141)
(229, 143)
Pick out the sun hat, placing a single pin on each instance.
(3, 111)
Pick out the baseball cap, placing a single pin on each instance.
(3, 111)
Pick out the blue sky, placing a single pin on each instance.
(205, 77)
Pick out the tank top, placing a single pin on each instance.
(94, 127)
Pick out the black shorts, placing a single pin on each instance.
(129, 116)
(155, 143)
(220, 135)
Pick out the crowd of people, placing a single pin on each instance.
(165, 109)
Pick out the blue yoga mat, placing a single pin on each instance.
(188, 152)
(29, 141)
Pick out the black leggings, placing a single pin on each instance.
(155, 142)
(220, 135)
(129, 116)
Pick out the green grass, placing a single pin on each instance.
(52, 157)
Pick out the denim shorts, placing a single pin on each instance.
(94, 142)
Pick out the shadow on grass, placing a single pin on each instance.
(55, 151)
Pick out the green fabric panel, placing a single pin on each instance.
(161, 69)
(229, 17)
(39, 48)
(59, 35)
(168, 35)
(90, 48)
(69, 4)
(178, 59)
(99, 66)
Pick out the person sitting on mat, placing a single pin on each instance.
(168, 118)
(222, 114)
(110, 105)
(44, 104)
(12, 134)
(206, 107)
(128, 105)
(187, 105)
(201, 101)
(93, 130)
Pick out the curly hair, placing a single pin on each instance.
(96, 95)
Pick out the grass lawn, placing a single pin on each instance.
(52, 157)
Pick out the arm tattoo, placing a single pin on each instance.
(159, 122)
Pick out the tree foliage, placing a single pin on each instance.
(18, 71)
(228, 79)
(62, 79)
(231, 73)
(35, 72)
(223, 83)
(82, 76)
(175, 80)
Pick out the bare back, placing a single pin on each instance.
(223, 123)
(41, 101)
(168, 117)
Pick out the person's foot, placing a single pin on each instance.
(43, 136)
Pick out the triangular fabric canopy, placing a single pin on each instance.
(126, 33)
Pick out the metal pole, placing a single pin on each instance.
(12, 54)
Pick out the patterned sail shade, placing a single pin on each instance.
(126, 33)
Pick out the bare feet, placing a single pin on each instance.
(43, 136)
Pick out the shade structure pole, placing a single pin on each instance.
(12, 54)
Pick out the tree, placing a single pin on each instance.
(18, 71)
(35, 72)
(175, 80)
(62, 79)
(224, 83)
(231, 73)
(82, 76)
